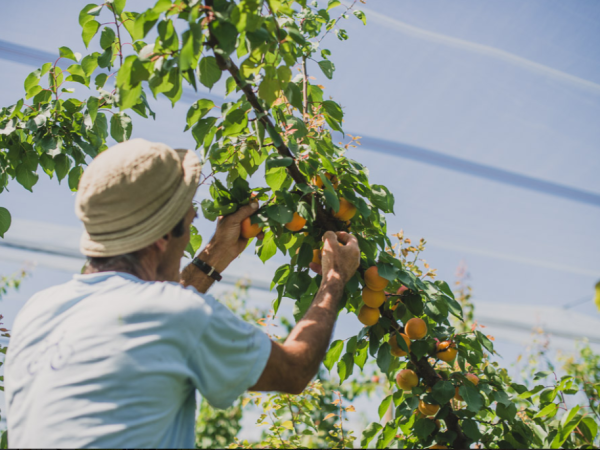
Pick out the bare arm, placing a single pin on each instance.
(292, 365)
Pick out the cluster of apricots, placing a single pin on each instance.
(345, 213)
(373, 296)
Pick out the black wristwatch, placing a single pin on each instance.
(207, 269)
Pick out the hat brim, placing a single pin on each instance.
(156, 226)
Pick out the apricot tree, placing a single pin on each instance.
(277, 123)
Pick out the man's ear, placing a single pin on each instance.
(162, 243)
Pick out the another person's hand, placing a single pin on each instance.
(227, 242)
(338, 261)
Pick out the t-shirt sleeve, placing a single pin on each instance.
(230, 356)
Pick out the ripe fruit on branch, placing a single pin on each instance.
(373, 299)
(319, 183)
(473, 379)
(395, 348)
(368, 316)
(407, 379)
(297, 223)
(316, 256)
(249, 230)
(416, 328)
(347, 210)
(446, 351)
(438, 446)
(427, 409)
(373, 280)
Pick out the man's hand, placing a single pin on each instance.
(227, 242)
(340, 257)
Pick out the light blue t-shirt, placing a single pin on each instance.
(108, 360)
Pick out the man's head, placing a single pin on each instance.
(135, 202)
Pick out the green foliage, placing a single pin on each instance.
(280, 125)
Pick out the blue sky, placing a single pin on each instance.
(509, 85)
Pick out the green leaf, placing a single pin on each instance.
(61, 166)
(275, 160)
(384, 357)
(443, 391)
(66, 52)
(201, 129)
(471, 429)
(382, 198)
(88, 12)
(472, 397)
(566, 426)
(32, 80)
(120, 127)
(190, 52)
(74, 177)
(209, 71)
(413, 302)
(420, 348)
(268, 248)
(107, 37)
(328, 68)
(197, 111)
(235, 122)
(548, 410)
(423, 428)
(505, 412)
(334, 110)
(345, 367)
(276, 177)
(360, 15)
(362, 354)
(5, 220)
(26, 177)
(384, 406)
(100, 80)
(118, 5)
(280, 213)
(369, 433)
(89, 31)
(332, 4)
(589, 428)
(388, 434)
(333, 354)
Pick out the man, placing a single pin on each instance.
(113, 358)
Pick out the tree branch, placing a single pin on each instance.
(324, 219)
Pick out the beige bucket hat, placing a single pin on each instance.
(133, 194)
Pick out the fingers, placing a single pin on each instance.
(330, 239)
(346, 238)
(243, 212)
(318, 268)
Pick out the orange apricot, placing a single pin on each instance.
(395, 349)
(446, 351)
(368, 316)
(373, 299)
(416, 328)
(347, 210)
(427, 409)
(316, 256)
(319, 183)
(407, 379)
(297, 223)
(373, 280)
(249, 230)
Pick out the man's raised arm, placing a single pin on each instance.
(292, 365)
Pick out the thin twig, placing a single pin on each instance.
(304, 90)
(112, 7)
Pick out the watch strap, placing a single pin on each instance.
(207, 269)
